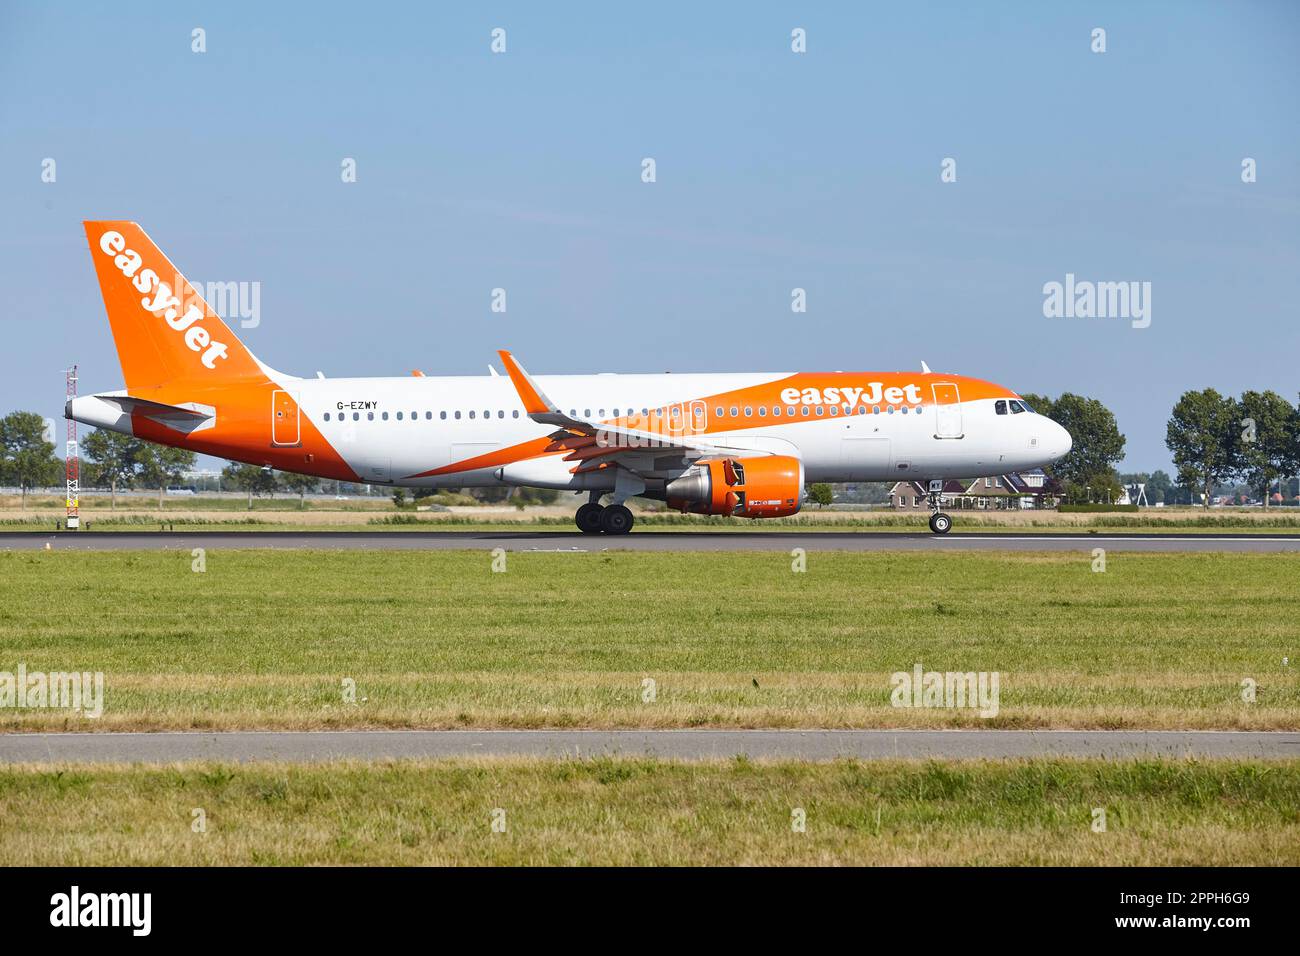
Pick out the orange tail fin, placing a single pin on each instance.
(164, 331)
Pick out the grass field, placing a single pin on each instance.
(437, 639)
(651, 812)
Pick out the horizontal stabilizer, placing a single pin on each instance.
(113, 410)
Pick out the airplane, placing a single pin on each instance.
(738, 444)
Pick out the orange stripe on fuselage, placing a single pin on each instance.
(769, 394)
(242, 431)
(534, 448)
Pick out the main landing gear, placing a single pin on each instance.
(592, 518)
(940, 523)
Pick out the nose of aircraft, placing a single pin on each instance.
(1059, 441)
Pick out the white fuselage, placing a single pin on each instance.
(446, 420)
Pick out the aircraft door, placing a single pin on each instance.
(947, 411)
(284, 419)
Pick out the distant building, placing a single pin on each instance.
(1010, 492)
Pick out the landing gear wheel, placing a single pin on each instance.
(940, 523)
(616, 519)
(588, 518)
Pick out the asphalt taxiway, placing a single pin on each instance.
(312, 746)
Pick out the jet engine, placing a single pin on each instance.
(770, 486)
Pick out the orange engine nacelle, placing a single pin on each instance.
(767, 487)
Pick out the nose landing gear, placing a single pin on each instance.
(940, 523)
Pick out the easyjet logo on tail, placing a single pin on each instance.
(164, 302)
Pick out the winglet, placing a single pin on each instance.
(925, 368)
(535, 403)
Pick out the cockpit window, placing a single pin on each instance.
(1000, 406)
(1025, 405)
(1016, 407)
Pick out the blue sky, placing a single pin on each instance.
(775, 170)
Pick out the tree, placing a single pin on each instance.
(162, 464)
(291, 481)
(28, 459)
(113, 459)
(821, 493)
(1098, 443)
(1270, 439)
(1203, 435)
(1159, 485)
(250, 478)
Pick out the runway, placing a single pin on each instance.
(565, 541)
(818, 745)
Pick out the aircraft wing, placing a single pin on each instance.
(593, 445)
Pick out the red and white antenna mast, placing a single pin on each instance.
(73, 459)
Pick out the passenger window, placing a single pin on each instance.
(327, 416)
(515, 413)
(835, 409)
(442, 416)
(370, 416)
(1000, 406)
(805, 413)
(749, 412)
(734, 411)
(821, 410)
(356, 416)
(762, 411)
(458, 416)
(399, 416)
